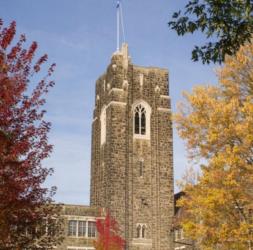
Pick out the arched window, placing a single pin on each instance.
(141, 113)
(136, 123)
(139, 231)
(143, 231)
(140, 120)
(103, 125)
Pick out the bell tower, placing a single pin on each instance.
(132, 165)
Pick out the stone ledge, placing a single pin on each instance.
(142, 241)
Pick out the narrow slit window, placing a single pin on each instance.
(141, 170)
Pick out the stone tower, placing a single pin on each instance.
(132, 165)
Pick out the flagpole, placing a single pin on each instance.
(118, 9)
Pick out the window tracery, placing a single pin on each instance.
(140, 120)
(141, 117)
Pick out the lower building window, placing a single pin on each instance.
(72, 228)
(81, 228)
(179, 234)
(91, 229)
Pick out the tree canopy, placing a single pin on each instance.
(226, 24)
(27, 217)
(217, 124)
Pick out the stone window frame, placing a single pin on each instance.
(82, 228)
(147, 112)
(49, 227)
(140, 120)
(103, 125)
(87, 221)
(72, 228)
(179, 234)
(138, 230)
(91, 229)
(141, 230)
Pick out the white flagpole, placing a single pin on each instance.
(118, 9)
(122, 23)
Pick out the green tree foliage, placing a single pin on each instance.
(226, 24)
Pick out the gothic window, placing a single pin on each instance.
(143, 231)
(143, 123)
(103, 125)
(140, 120)
(139, 231)
(136, 123)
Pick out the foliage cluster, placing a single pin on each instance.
(108, 235)
(217, 124)
(226, 24)
(27, 215)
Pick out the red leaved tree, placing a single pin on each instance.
(108, 235)
(27, 217)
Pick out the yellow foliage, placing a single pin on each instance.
(217, 124)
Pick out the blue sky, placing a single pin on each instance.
(80, 37)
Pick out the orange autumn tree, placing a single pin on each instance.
(28, 219)
(108, 235)
(217, 124)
